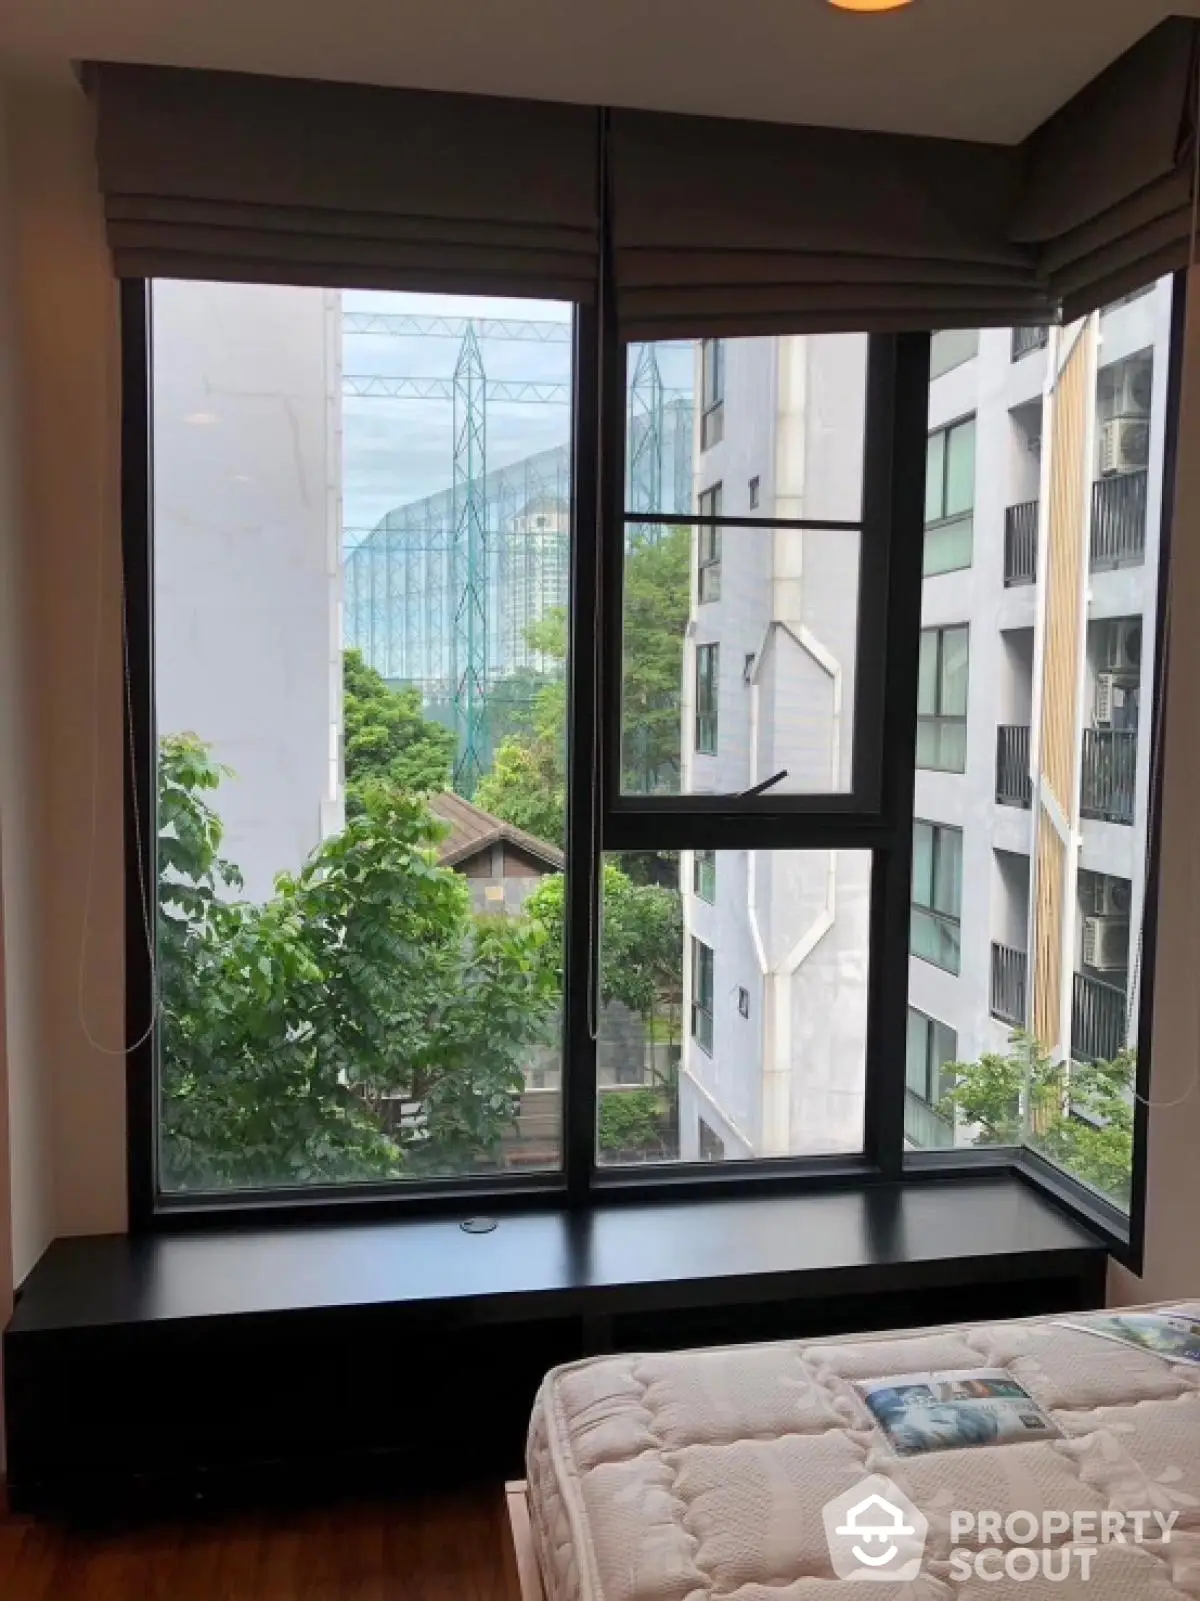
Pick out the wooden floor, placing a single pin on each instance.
(448, 1548)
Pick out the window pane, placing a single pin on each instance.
(955, 645)
(792, 415)
(917, 1053)
(927, 681)
(960, 469)
(947, 871)
(950, 348)
(1043, 1010)
(679, 976)
(935, 478)
(949, 547)
(360, 651)
(922, 873)
(783, 688)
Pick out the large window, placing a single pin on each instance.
(950, 497)
(937, 894)
(444, 764)
(942, 699)
(360, 649)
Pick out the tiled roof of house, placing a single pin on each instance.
(473, 830)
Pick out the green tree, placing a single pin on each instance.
(641, 942)
(632, 1120)
(527, 785)
(291, 1029)
(1079, 1116)
(388, 736)
(655, 612)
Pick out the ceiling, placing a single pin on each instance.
(978, 69)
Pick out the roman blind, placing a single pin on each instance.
(727, 227)
(1108, 193)
(233, 176)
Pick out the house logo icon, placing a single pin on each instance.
(875, 1532)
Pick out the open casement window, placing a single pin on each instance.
(942, 699)
(937, 894)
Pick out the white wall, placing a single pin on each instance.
(247, 502)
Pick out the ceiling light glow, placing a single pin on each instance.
(869, 5)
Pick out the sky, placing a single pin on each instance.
(400, 450)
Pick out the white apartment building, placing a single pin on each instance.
(1039, 611)
(247, 556)
(776, 958)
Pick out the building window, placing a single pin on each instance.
(942, 699)
(937, 894)
(950, 347)
(708, 666)
(704, 876)
(708, 546)
(754, 494)
(743, 1001)
(702, 995)
(712, 1146)
(712, 392)
(950, 498)
(931, 1048)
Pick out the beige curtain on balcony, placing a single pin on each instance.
(231, 176)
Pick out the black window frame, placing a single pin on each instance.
(938, 719)
(878, 818)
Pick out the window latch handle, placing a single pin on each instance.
(767, 783)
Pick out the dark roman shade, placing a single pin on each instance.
(232, 176)
(716, 226)
(1108, 193)
(727, 227)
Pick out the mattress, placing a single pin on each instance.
(709, 1473)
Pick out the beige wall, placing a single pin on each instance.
(1172, 1266)
(60, 695)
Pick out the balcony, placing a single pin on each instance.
(1027, 340)
(1108, 784)
(925, 1129)
(1097, 1019)
(1119, 520)
(1014, 787)
(1020, 544)
(1008, 984)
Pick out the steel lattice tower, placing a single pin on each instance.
(646, 440)
(470, 567)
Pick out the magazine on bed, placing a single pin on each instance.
(922, 1412)
(1173, 1333)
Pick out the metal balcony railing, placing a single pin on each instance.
(924, 1127)
(1108, 784)
(1097, 1019)
(1119, 519)
(1009, 968)
(1014, 787)
(1020, 544)
(1025, 340)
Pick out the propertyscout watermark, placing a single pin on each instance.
(875, 1532)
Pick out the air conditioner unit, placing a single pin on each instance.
(1114, 896)
(1105, 943)
(1125, 645)
(1124, 445)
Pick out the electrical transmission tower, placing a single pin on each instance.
(470, 567)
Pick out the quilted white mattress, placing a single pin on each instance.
(704, 1473)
